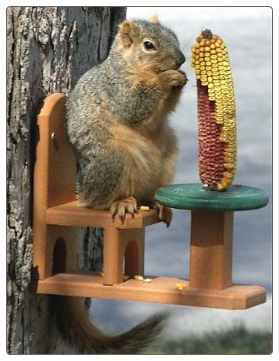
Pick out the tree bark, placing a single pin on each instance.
(49, 48)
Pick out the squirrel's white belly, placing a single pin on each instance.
(143, 163)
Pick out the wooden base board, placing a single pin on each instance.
(159, 290)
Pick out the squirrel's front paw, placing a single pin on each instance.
(174, 79)
(121, 207)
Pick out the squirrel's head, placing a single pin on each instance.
(149, 45)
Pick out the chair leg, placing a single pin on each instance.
(113, 262)
(122, 245)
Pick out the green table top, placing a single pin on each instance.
(195, 196)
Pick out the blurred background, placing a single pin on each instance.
(247, 32)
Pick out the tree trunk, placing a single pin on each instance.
(49, 48)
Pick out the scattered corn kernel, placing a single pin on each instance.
(144, 208)
(180, 286)
(142, 279)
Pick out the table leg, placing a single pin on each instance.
(211, 249)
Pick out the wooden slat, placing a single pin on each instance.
(69, 214)
(54, 183)
(160, 290)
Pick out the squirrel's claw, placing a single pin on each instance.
(165, 213)
(121, 207)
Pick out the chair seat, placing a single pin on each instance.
(70, 214)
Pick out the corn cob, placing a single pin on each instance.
(216, 111)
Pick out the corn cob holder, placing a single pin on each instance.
(213, 202)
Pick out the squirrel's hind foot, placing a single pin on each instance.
(123, 206)
(165, 213)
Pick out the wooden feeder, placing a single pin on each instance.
(57, 218)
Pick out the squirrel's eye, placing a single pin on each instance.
(149, 46)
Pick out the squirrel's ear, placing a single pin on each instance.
(127, 31)
(154, 19)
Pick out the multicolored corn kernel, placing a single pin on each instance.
(216, 111)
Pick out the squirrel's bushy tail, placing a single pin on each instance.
(76, 328)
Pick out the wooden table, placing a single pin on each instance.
(211, 227)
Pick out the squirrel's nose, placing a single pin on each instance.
(180, 59)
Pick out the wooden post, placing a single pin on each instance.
(211, 249)
(113, 262)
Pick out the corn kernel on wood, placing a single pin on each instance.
(216, 111)
(180, 286)
(138, 277)
(142, 279)
(144, 208)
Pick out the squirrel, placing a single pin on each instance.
(117, 120)
(117, 123)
